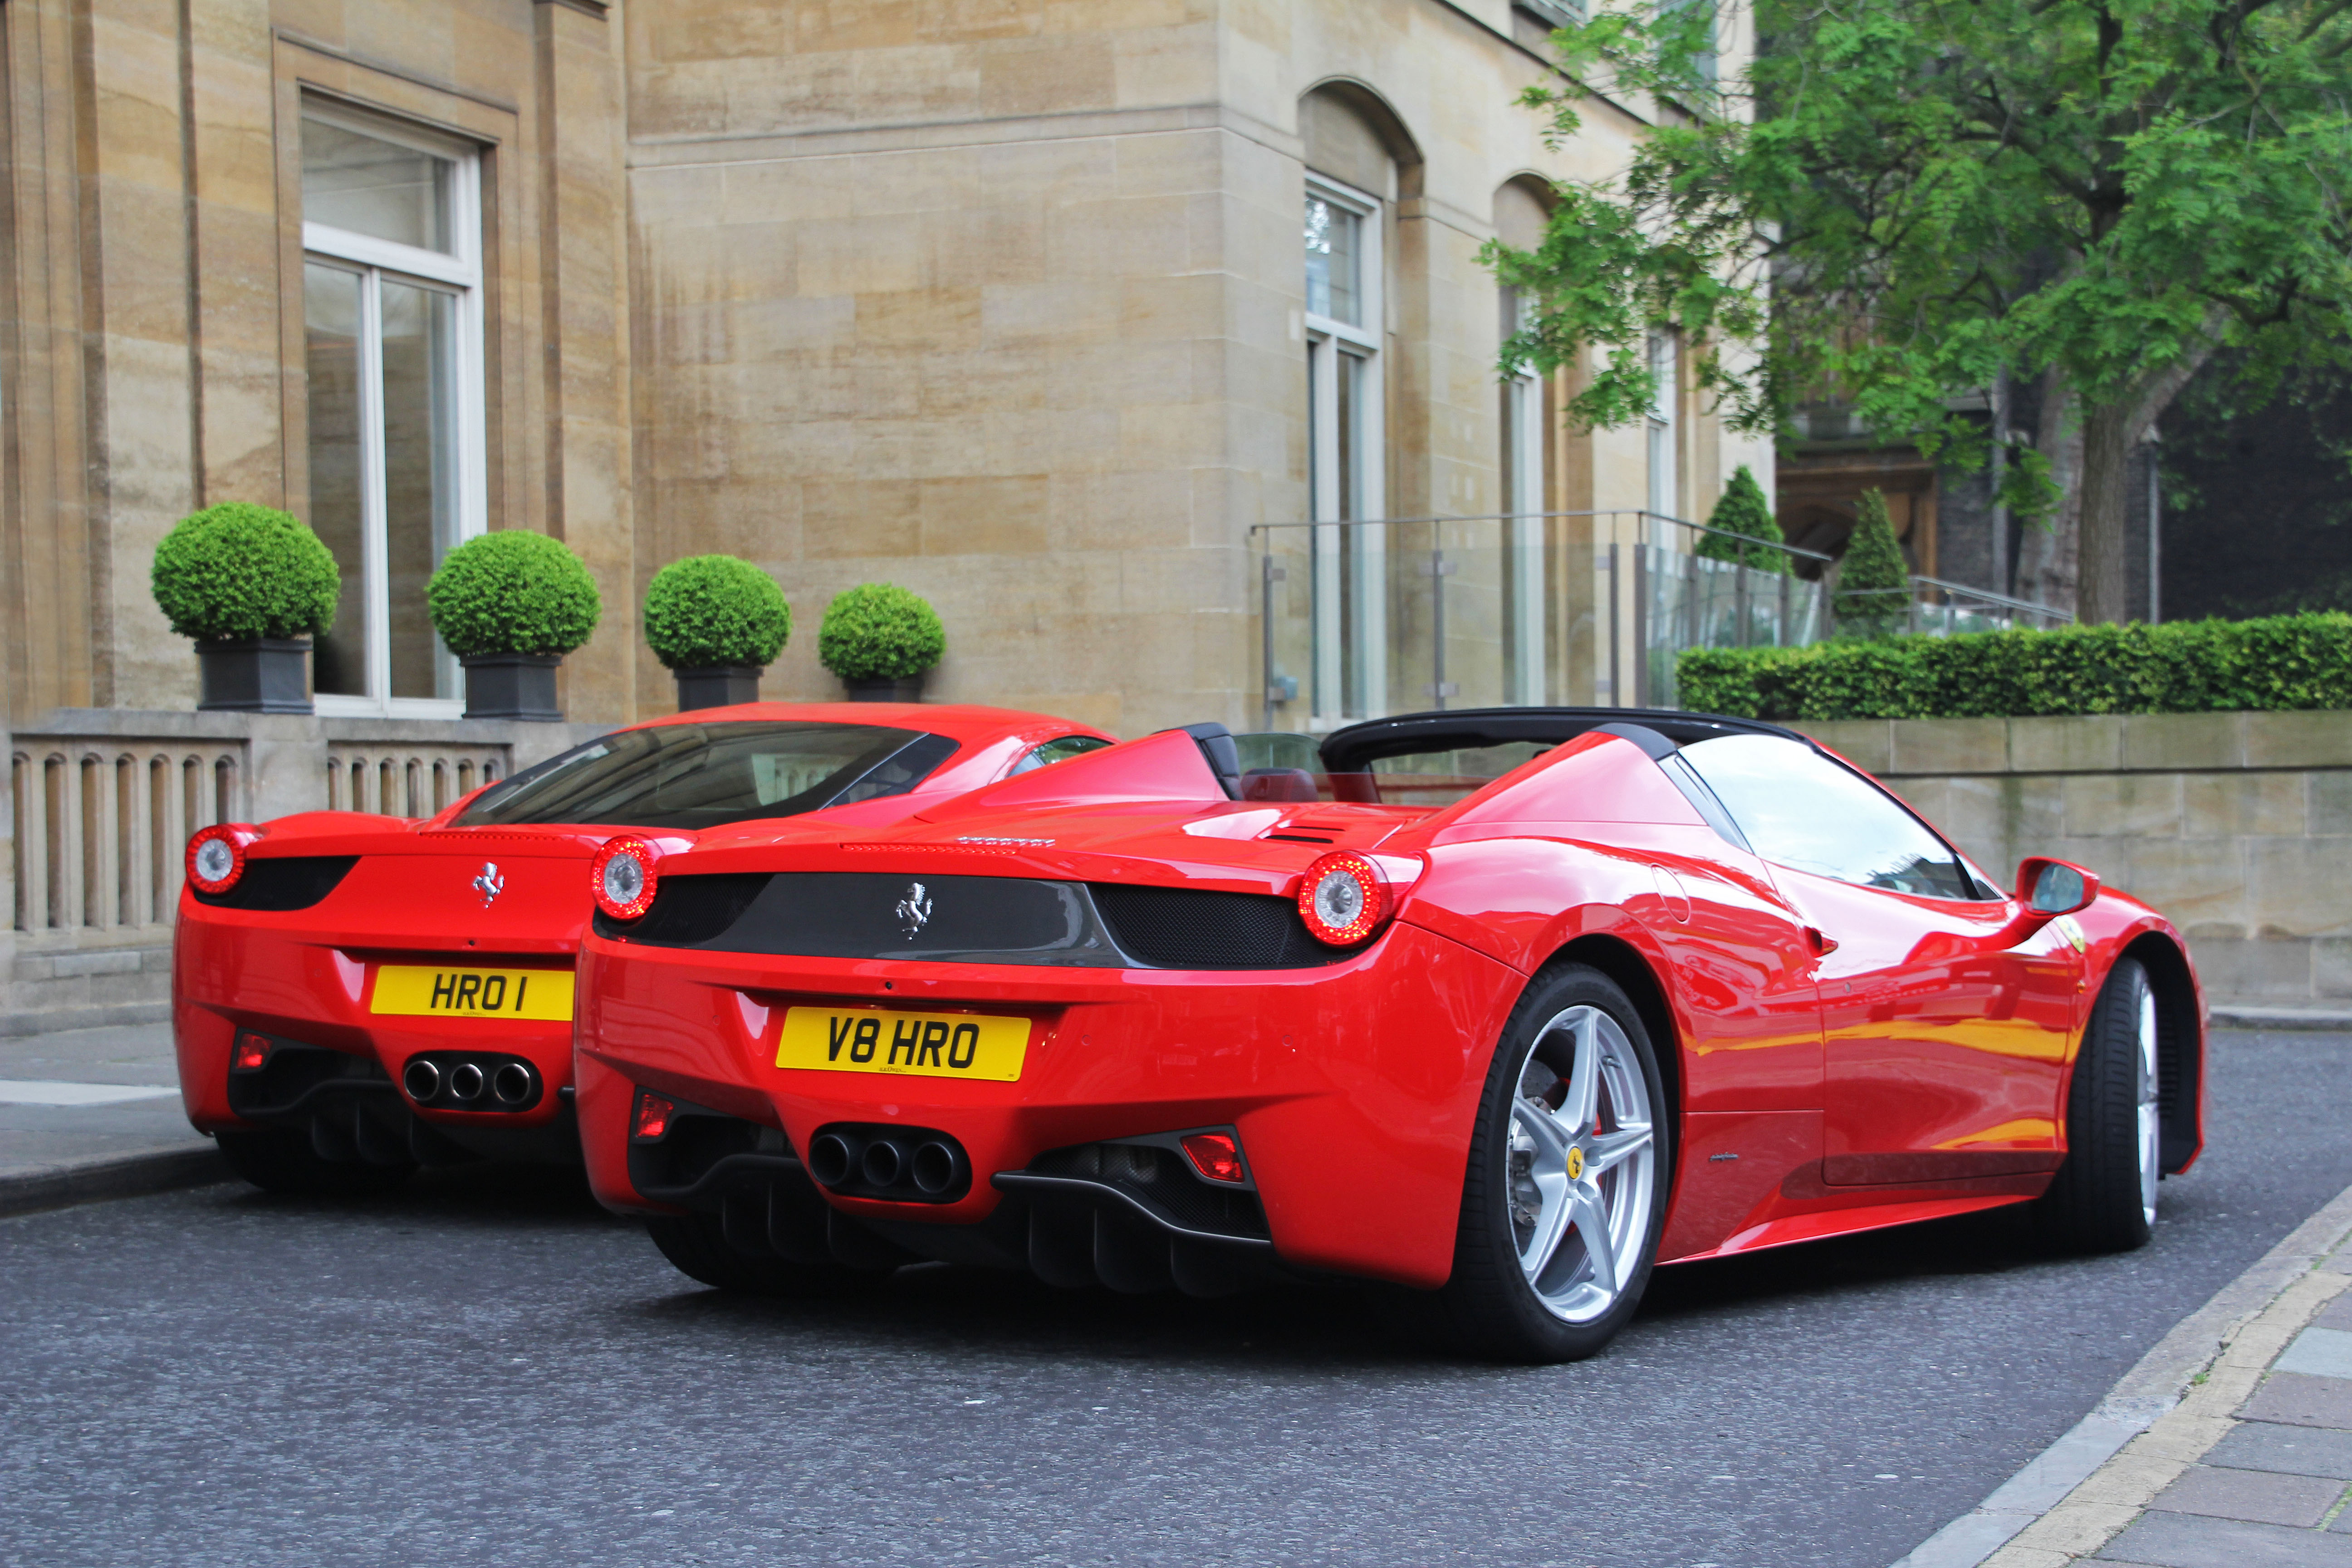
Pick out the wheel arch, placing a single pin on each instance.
(2179, 1047)
(1623, 963)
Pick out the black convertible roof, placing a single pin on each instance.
(1354, 749)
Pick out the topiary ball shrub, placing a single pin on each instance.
(880, 631)
(240, 572)
(513, 592)
(710, 611)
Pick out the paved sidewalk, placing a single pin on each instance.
(95, 1113)
(2252, 1469)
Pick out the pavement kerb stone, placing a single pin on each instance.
(2162, 1417)
(72, 1182)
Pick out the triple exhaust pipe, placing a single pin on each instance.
(465, 1085)
(924, 1167)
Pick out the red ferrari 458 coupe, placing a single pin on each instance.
(353, 995)
(1502, 1007)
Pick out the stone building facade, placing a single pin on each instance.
(1001, 300)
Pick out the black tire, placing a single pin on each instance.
(1487, 1307)
(280, 1161)
(698, 1249)
(2096, 1202)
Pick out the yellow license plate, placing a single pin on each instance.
(925, 1045)
(415, 988)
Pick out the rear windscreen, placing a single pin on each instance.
(700, 775)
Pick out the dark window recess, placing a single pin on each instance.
(690, 910)
(1194, 928)
(1162, 1179)
(286, 882)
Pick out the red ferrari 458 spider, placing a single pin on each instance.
(1504, 1008)
(353, 995)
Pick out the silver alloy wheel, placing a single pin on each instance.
(2151, 1120)
(1582, 1164)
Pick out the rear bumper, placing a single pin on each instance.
(1352, 1087)
(240, 974)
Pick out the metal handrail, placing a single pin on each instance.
(1517, 516)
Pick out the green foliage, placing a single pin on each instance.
(708, 611)
(235, 571)
(2182, 667)
(1744, 510)
(513, 592)
(1874, 587)
(880, 631)
(1899, 200)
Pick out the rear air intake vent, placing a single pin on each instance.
(1192, 928)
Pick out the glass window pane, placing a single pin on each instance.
(331, 298)
(701, 775)
(372, 187)
(1332, 234)
(1800, 809)
(420, 477)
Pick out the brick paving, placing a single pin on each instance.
(2252, 1469)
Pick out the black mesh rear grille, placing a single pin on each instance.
(1161, 1178)
(689, 910)
(1195, 928)
(286, 882)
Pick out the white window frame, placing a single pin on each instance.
(1665, 439)
(458, 270)
(1523, 412)
(1327, 340)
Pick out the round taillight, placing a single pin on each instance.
(1343, 899)
(623, 877)
(216, 856)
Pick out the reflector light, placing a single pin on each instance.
(1343, 900)
(1216, 1155)
(651, 1122)
(623, 877)
(250, 1054)
(216, 856)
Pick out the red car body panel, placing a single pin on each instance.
(1839, 1058)
(308, 974)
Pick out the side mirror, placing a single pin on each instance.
(2055, 887)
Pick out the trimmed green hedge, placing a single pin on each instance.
(707, 612)
(2183, 667)
(513, 592)
(880, 631)
(237, 572)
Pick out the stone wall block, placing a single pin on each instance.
(2313, 740)
(2223, 804)
(2134, 805)
(2298, 886)
(2191, 883)
(1868, 743)
(2331, 968)
(2252, 970)
(2183, 741)
(2091, 743)
(1949, 746)
(2330, 803)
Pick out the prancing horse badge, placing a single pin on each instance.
(489, 884)
(914, 911)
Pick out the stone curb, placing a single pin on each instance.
(112, 1177)
(2159, 1418)
(2224, 1015)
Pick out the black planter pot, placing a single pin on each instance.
(511, 686)
(909, 689)
(720, 686)
(268, 675)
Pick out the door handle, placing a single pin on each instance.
(1824, 944)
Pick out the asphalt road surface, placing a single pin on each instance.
(492, 1371)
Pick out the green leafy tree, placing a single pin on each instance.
(1905, 202)
(712, 612)
(1874, 585)
(237, 572)
(1744, 510)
